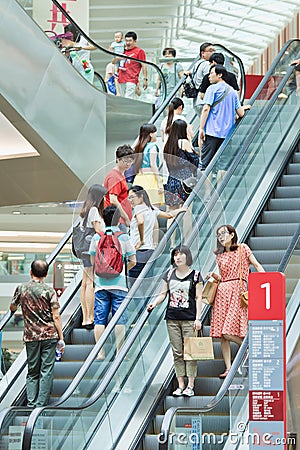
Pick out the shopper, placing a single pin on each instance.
(229, 319)
(42, 330)
(184, 286)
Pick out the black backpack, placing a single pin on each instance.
(81, 240)
(189, 87)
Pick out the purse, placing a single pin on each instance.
(81, 240)
(209, 292)
(198, 348)
(243, 294)
(189, 184)
(189, 89)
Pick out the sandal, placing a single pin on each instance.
(178, 392)
(224, 374)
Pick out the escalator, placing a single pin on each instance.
(61, 114)
(112, 403)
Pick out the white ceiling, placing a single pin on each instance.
(246, 28)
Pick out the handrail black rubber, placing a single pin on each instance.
(149, 63)
(92, 355)
(101, 79)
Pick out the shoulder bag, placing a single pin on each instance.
(209, 292)
(243, 294)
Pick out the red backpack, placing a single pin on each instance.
(109, 258)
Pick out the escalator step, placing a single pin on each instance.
(68, 369)
(281, 217)
(296, 157)
(287, 192)
(198, 402)
(279, 204)
(76, 352)
(269, 256)
(271, 229)
(294, 168)
(269, 243)
(82, 336)
(290, 180)
(210, 424)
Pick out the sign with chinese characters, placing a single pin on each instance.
(267, 365)
(63, 274)
(49, 17)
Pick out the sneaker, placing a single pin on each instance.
(188, 392)
(178, 392)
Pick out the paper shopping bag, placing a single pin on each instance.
(209, 292)
(198, 348)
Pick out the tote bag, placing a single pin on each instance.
(198, 348)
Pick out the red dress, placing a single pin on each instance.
(227, 316)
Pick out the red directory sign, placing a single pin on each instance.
(267, 359)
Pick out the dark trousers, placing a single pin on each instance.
(40, 360)
(210, 147)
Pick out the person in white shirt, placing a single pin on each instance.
(175, 112)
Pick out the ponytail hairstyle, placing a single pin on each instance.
(143, 139)
(178, 131)
(175, 103)
(140, 192)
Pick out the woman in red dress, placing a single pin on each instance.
(229, 319)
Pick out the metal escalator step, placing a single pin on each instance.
(293, 168)
(198, 402)
(269, 256)
(82, 336)
(279, 204)
(68, 369)
(210, 368)
(207, 385)
(150, 442)
(281, 217)
(271, 229)
(84, 389)
(296, 157)
(76, 352)
(290, 180)
(210, 424)
(287, 192)
(269, 243)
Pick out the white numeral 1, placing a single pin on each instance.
(268, 292)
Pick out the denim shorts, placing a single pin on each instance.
(106, 301)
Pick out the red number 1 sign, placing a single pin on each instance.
(267, 360)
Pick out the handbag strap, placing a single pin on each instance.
(221, 98)
(240, 265)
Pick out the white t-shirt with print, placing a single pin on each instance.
(150, 216)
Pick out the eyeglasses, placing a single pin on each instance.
(131, 197)
(127, 160)
(209, 50)
(222, 233)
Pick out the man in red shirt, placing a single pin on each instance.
(129, 75)
(116, 185)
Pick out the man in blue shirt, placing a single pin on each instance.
(110, 292)
(221, 104)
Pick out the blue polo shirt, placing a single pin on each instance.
(221, 117)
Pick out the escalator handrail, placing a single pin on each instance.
(271, 70)
(109, 52)
(170, 413)
(292, 245)
(113, 321)
(101, 79)
(167, 235)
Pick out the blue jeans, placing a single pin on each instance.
(106, 301)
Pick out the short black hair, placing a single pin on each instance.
(124, 150)
(39, 268)
(111, 216)
(169, 50)
(218, 58)
(131, 34)
(220, 70)
(182, 249)
(204, 46)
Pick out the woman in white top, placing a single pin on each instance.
(175, 112)
(142, 227)
(91, 218)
